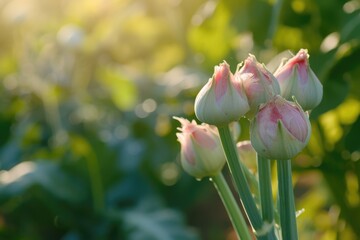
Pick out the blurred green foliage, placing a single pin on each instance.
(88, 88)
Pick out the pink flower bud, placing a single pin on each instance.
(259, 84)
(222, 100)
(201, 151)
(247, 155)
(297, 79)
(280, 130)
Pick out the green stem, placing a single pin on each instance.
(231, 206)
(286, 200)
(252, 180)
(274, 21)
(241, 184)
(266, 199)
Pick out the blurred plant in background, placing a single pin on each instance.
(88, 88)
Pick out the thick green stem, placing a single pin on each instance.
(286, 200)
(232, 208)
(266, 199)
(241, 183)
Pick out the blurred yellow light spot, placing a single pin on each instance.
(213, 31)
(329, 234)
(163, 125)
(143, 30)
(80, 146)
(290, 38)
(355, 156)
(8, 65)
(204, 12)
(315, 144)
(330, 42)
(351, 6)
(348, 111)
(166, 57)
(343, 50)
(32, 134)
(122, 90)
(298, 6)
(188, 107)
(331, 128)
(322, 220)
(169, 173)
(352, 192)
(334, 213)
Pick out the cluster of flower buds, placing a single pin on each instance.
(275, 103)
(260, 85)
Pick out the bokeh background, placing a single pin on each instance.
(88, 90)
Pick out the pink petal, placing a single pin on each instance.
(221, 76)
(188, 152)
(204, 139)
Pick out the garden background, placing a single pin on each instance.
(88, 90)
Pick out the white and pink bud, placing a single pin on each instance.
(222, 100)
(260, 85)
(201, 151)
(297, 79)
(247, 155)
(280, 129)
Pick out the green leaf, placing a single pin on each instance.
(351, 30)
(123, 91)
(352, 138)
(335, 93)
(47, 175)
(152, 222)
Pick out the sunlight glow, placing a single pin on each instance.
(16, 172)
(330, 42)
(351, 6)
(169, 173)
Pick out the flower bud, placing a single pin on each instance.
(280, 129)
(221, 100)
(297, 79)
(201, 151)
(259, 84)
(247, 155)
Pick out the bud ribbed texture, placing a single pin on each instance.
(222, 100)
(280, 130)
(297, 79)
(201, 151)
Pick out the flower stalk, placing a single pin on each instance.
(266, 200)
(237, 173)
(286, 200)
(231, 207)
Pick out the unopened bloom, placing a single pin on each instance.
(280, 129)
(260, 85)
(201, 151)
(222, 100)
(297, 79)
(247, 154)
